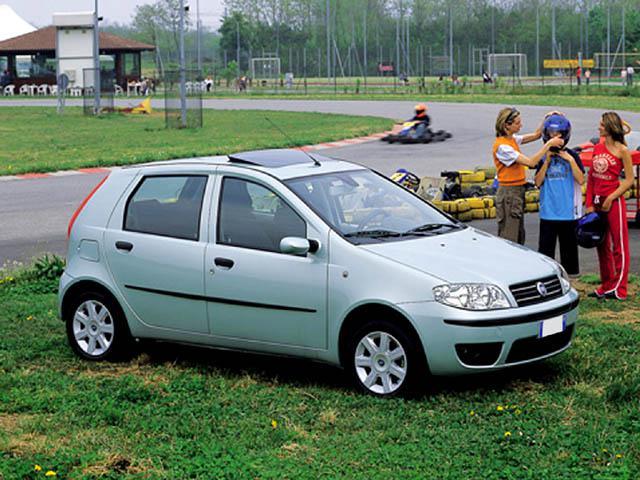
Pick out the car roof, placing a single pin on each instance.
(280, 163)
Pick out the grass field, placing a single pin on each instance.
(38, 140)
(178, 412)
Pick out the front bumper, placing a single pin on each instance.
(458, 341)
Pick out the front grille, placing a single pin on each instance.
(527, 293)
(479, 354)
(534, 347)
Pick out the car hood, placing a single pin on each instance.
(467, 255)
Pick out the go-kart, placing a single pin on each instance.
(408, 134)
(585, 150)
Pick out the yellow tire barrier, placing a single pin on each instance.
(488, 201)
(531, 207)
(449, 207)
(490, 212)
(467, 176)
(465, 216)
(476, 203)
(478, 213)
(462, 205)
(489, 172)
(532, 196)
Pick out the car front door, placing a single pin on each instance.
(155, 248)
(256, 293)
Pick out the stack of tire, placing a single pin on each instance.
(532, 200)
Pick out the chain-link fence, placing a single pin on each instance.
(183, 111)
(107, 91)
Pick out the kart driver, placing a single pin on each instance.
(423, 119)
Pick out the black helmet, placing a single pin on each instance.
(591, 229)
(556, 123)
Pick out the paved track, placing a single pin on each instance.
(34, 213)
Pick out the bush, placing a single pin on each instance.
(49, 267)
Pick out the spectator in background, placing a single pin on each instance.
(623, 76)
(5, 79)
(587, 76)
(579, 75)
(630, 73)
(486, 78)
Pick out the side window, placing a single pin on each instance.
(254, 216)
(169, 206)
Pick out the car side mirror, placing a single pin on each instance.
(298, 246)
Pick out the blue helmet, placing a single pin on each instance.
(556, 123)
(591, 229)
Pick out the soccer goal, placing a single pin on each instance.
(611, 63)
(266, 68)
(508, 64)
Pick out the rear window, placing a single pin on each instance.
(169, 206)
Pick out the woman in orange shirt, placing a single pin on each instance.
(510, 163)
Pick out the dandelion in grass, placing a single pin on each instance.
(507, 434)
(37, 468)
(472, 413)
(274, 424)
(50, 473)
(618, 455)
(500, 408)
(30, 317)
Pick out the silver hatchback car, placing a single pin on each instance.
(286, 253)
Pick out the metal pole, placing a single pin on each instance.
(96, 62)
(237, 49)
(450, 41)
(398, 43)
(365, 50)
(183, 90)
(538, 38)
(493, 29)
(553, 32)
(328, 41)
(608, 39)
(198, 35)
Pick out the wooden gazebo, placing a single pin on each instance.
(31, 58)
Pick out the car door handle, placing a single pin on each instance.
(124, 246)
(223, 262)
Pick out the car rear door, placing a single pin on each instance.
(155, 245)
(257, 294)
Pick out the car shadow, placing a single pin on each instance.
(297, 372)
(302, 373)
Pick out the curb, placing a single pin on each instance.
(87, 171)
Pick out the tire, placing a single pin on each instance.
(97, 328)
(384, 360)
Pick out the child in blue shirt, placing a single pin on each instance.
(559, 175)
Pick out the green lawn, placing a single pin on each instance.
(177, 412)
(39, 140)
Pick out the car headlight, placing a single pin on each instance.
(471, 296)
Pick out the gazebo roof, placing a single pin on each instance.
(11, 24)
(45, 40)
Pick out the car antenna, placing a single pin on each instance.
(315, 162)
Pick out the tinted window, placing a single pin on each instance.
(168, 206)
(254, 216)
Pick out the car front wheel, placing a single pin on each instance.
(384, 360)
(96, 328)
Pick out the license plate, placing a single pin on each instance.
(552, 326)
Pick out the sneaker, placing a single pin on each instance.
(596, 294)
(613, 296)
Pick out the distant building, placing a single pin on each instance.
(31, 58)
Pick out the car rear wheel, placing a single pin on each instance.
(96, 328)
(384, 360)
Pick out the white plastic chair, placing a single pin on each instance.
(33, 89)
(24, 90)
(118, 90)
(43, 89)
(9, 90)
(53, 89)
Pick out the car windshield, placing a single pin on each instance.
(368, 208)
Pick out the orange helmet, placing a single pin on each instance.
(420, 108)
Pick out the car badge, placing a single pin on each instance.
(542, 289)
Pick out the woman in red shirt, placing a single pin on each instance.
(605, 194)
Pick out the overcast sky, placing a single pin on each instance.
(39, 12)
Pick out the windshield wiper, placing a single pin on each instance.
(374, 234)
(428, 227)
